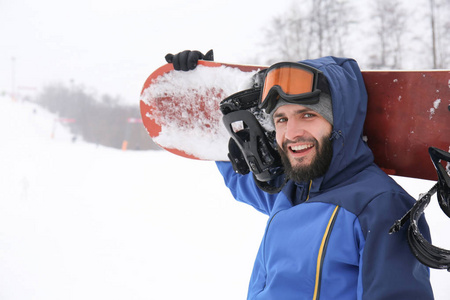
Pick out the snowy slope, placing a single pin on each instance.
(84, 222)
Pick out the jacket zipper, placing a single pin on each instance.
(322, 251)
(309, 189)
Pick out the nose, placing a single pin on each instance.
(294, 129)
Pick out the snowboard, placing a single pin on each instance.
(408, 111)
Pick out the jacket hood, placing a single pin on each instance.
(349, 100)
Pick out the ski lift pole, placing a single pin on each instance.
(127, 131)
(125, 140)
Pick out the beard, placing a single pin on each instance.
(317, 168)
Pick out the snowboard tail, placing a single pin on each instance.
(408, 112)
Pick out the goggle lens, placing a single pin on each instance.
(291, 80)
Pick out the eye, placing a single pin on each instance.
(280, 120)
(309, 115)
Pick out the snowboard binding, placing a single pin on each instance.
(251, 147)
(425, 252)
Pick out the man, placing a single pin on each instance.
(327, 233)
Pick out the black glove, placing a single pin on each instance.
(187, 60)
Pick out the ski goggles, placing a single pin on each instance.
(296, 83)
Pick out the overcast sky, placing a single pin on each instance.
(113, 46)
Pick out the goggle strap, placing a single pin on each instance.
(276, 92)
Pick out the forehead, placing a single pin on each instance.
(291, 108)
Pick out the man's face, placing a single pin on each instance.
(303, 138)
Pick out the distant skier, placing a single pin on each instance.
(327, 234)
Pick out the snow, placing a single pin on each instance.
(436, 103)
(84, 222)
(435, 106)
(200, 81)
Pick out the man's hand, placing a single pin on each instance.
(187, 60)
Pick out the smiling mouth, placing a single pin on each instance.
(301, 148)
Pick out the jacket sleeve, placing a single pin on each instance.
(388, 269)
(244, 189)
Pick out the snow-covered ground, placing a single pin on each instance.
(84, 222)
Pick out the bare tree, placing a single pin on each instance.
(286, 37)
(440, 33)
(314, 28)
(433, 32)
(390, 27)
(308, 29)
(330, 21)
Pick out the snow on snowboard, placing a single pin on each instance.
(408, 111)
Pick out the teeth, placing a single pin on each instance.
(301, 147)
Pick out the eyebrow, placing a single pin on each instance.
(299, 111)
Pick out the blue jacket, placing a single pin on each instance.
(329, 239)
